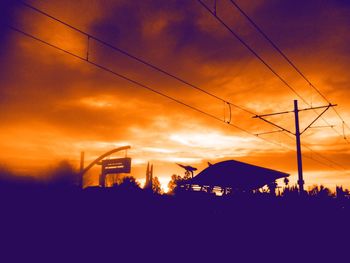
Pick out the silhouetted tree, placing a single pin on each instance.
(174, 183)
(341, 193)
(286, 181)
(272, 188)
(156, 186)
(10, 180)
(128, 183)
(320, 191)
(292, 191)
(63, 175)
(5, 174)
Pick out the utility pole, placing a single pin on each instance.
(297, 133)
(298, 144)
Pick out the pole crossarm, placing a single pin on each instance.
(320, 107)
(262, 133)
(272, 114)
(326, 108)
(273, 124)
(323, 126)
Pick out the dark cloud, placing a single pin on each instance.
(7, 17)
(305, 26)
(181, 35)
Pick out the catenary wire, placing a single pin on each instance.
(138, 83)
(222, 22)
(291, 63)
(143, 61)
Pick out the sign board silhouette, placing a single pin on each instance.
(116, 166)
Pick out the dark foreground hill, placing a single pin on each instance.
(119, 225)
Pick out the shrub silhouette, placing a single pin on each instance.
(63, 175)
(174, 183)
(128, 183)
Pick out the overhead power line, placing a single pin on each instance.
(147, 63)
(118, 75)
(312, 151)
(137, 83)
(222, 22)
(281, 129)
(152, 90)
(89, 36)
(143, 85)
(323, 157)
(290, 136)
(136, 58)
(277, 48)
(292, 64)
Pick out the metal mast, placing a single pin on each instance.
(297, 133)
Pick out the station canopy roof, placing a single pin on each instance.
(236, 175)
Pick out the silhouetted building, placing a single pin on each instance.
(235, 176)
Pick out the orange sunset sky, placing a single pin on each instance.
(53, 106)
